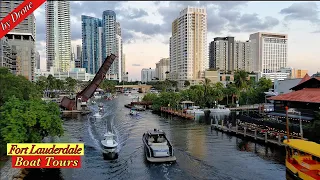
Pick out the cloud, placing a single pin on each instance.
(136, 65)
(305, 11)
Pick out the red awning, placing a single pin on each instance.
(311, 95)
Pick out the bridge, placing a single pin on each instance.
(144, 87)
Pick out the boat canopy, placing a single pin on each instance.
(309, 147)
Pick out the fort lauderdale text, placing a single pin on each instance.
(45, 151)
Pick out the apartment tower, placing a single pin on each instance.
(21, 40)
(270, 51)
(58, 35)
(188, 46)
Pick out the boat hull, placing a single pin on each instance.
(151, 159)
(296, 174)
(110, 155)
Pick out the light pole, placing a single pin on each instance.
(287, 123)
(301, 129)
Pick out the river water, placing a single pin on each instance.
(201, 153)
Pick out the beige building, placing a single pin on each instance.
(188, 46)
(22, 41)
(219, 76)
(300, 73)
(162, 67)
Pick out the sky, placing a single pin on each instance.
(146, 27)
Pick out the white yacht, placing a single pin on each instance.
(158, 148)
(220, 109)
(97, 95)
(194, 110)
(110, 145)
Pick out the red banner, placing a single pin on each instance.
(46, 161)
(18, 15)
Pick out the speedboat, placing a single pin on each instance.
(109, 146)
(133, 112)
(97, 115)
(157, 147)
(126, 93)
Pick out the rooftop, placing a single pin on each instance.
(311, 95)
(304, 146)
(304, 79)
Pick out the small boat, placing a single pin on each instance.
(126, 93)
(157, 147)
(97, 115)
(303, 159)
(93, 102)
(195, 111)
(133, 112)
(109, 146)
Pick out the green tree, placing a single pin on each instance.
(18, 86)
(186, 83)
(29, 121)
(150, 97)
(70, 84)
(241, 79)
(108, 85)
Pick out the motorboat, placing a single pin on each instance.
(302, 159)
(133, 112)
(220, 109)
(97, 95)
(97, 115)
(157, 147)
(110, 145)
(93, 102)
(195, 111)
(126, 93)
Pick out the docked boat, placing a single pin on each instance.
(110, 145)
(157, 147)
(126, 93)
(303, 159)
(220, 109)
(195, 111)
(133, 112)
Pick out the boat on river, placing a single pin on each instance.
(110, 145)
(133, 112)
(158, 148)
(220, 109)
(97, 115)
(303, 159)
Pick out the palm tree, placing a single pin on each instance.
(206, 85)
(241, 79)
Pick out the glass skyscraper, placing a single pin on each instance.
(91, 43)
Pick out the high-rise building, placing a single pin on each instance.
(109, 42)
(147, 75)
(188, 46)
(58, 35)
(162, 68)
(5, 53)
(120, 55)
(22, 41)
(91, 44)
(78, 52)
(38, 60)
(270, 51)
(229, 55)
(123, 67)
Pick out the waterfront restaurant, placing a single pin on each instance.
(304, 100)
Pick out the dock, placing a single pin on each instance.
(256, 134)
(178, 113)
(66, 112)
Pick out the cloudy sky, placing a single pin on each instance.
(146, 27)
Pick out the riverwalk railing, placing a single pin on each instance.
(256, 133)
(176, 112)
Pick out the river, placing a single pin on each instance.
(201, 153)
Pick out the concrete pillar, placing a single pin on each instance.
(265, 137)
(255, 134)
(245, 131)
(236, 126)
(279, 138)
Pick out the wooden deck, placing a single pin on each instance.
(253, 134)
(178, 113)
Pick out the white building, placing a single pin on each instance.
(270, 51)
(147, 75)
(117, 66)
(275, 76)
(58, 35)
(162, 67)
(188, 46)
(75, 73)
